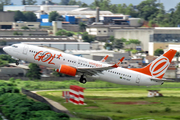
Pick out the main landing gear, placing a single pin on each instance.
(17, 62)
(82, 79)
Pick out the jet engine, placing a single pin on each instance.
(68, 70)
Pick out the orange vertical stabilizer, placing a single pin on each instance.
(158, 67)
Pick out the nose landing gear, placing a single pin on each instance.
(82, 79)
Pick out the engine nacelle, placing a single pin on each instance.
(68, 70)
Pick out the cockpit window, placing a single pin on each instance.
(14, 46)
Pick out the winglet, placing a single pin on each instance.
(118, 63)
(105, 58)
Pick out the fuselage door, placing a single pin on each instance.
(138, 79)
(25, 49)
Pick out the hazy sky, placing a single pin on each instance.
(167, 3)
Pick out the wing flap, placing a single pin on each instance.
(94, 71)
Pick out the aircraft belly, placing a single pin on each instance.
(114, 79)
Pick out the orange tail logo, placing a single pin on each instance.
(158, 67)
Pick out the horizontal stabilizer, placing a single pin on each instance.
(165, 80)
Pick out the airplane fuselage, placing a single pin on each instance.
(54, 59)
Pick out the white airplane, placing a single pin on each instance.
(72, 65)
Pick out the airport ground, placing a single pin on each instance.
(123, 104)
(118, 102)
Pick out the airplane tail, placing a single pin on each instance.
(158, 67)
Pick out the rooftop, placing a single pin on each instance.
(38, 38)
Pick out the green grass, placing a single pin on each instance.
(100, 102)
(100, 97)
(46, 85)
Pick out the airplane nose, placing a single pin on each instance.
(5, 49)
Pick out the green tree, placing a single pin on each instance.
(61, 32)
(72, 2)
(19, 16)
(2, 43)
(147, 8)
(84, 5)
(113, 8)
(105, 5)
(175, 16)
(108, 46)
(53, 16)
(30, 2)
(25, 27)
(177, 62)
(34, 71)
(64, 32)
(129, 10)
(23, 2)
(7, 58)
(88, 38)
(132, 43)
(69, 34)
(95, 4)
(118, 43)
(82, 26)
(158, 52)
(20, 33)
(134, 51)
(111, 38)
(177, 57)
(64, 2)
(4, 2)
(30, 16)
(17, 33)
(120, 9)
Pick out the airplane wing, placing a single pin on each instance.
(93, 71)
(104, 59)
(165, 80)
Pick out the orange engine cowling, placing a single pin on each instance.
(67, 70)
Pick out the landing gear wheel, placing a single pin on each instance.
(17, 62)
(82, 79)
